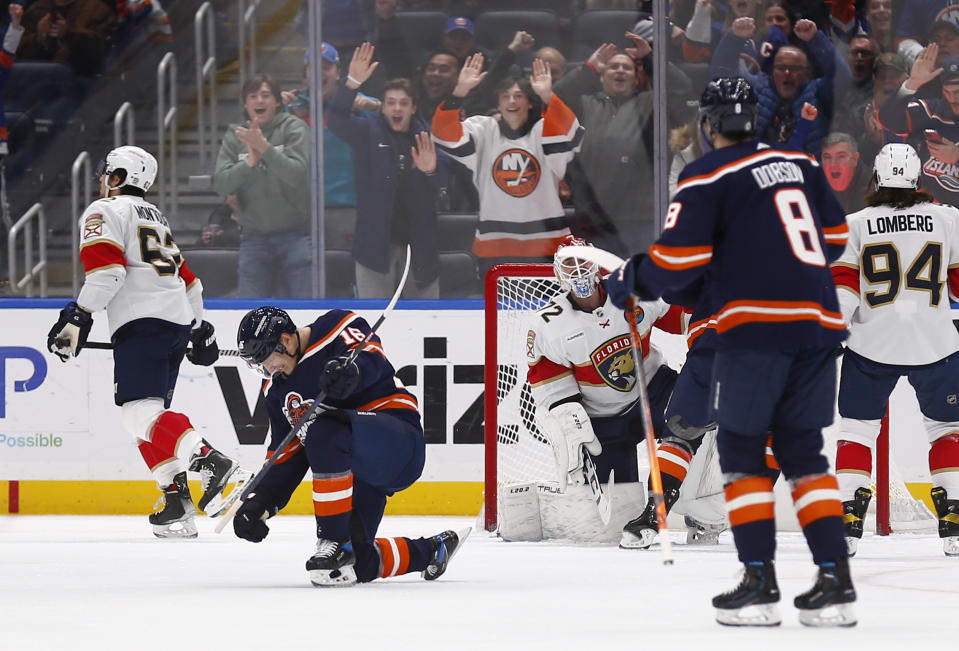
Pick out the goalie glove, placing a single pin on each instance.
(569, 431)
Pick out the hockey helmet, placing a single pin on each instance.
(574, 275)
(259, 336)
(138, 165)
(730, 105)
(897, 166)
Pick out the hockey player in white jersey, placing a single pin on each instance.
(154, 307)
(896, 278)
(583, 379)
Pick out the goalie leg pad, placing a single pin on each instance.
(518, 514)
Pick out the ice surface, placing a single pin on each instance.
(77, 583)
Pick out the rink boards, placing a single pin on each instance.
(63, 449)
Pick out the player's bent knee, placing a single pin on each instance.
(138, 416)
(864, 432)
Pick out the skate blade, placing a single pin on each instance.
(852, 544)
(832, 615)
(752, 615)
(642, 541)
(340, 578)
(950, 546)
(224, 500)
(175, 530)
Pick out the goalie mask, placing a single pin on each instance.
(137, 166)
(897, 166)
(574, 275)
(259, 336)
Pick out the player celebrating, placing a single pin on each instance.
(154, 306)
(892, 274)
(761, 225)
(364, 446)
(584, 383)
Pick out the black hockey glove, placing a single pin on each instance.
(339, 379)
(250, 520)
(204, 350)
(69, 334)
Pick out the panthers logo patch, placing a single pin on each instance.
(613, 360)
(294, 406)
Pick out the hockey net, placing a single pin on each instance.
(518, 453)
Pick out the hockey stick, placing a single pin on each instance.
(106, 345)
(299, 427)
(610, 261)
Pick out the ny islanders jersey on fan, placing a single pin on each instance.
(126, 245)
(334, 335)
(895, 281)
(517, 178)
(760, 226)
(571, 352)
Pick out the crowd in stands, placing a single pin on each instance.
(541, 117)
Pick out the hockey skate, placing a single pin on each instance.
(948, 513)
(854, 513)
(829, 601)
(217, 471)
(175, 518)
(331, 565)
(445, 546)
(702, 533)
(754, 601)
(640, 532)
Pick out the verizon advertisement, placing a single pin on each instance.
(58, 420)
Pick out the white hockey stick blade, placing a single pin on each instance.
(227, 517)
(603, 504)
(604, 259)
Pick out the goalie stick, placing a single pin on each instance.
(306, 419)
(611, 261)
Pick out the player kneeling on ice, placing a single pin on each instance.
(887, 304)
(583, 380)
(365, 444)
(154, 307)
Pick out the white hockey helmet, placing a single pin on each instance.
(139, 166)
(897, 166)
(574, 275)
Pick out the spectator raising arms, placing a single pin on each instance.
(517, 163)
(75, 32)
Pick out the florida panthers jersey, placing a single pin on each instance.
(895, 281)
(517, 177)
(572, 352)
(761, 227)
(334, 335)
(133, 266)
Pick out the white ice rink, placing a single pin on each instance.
(77, 583)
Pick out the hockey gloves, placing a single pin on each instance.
(621, 284)
(249, 522)
(339, 379)
(204, 350)
(69, 334)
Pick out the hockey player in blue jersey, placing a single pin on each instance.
(366, 445)
(760, 226)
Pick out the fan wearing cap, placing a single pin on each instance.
(897, 276)
(459, 37)
(918, 23)
(930, 125)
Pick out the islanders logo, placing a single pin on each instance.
(516, 172)
(613, 360)
(294, 407)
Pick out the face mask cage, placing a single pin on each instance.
(577, 276)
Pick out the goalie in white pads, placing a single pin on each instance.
(898, 274)
(582, 375)
(154, 306)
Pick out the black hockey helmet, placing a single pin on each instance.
(730, 104)
(259, 335)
